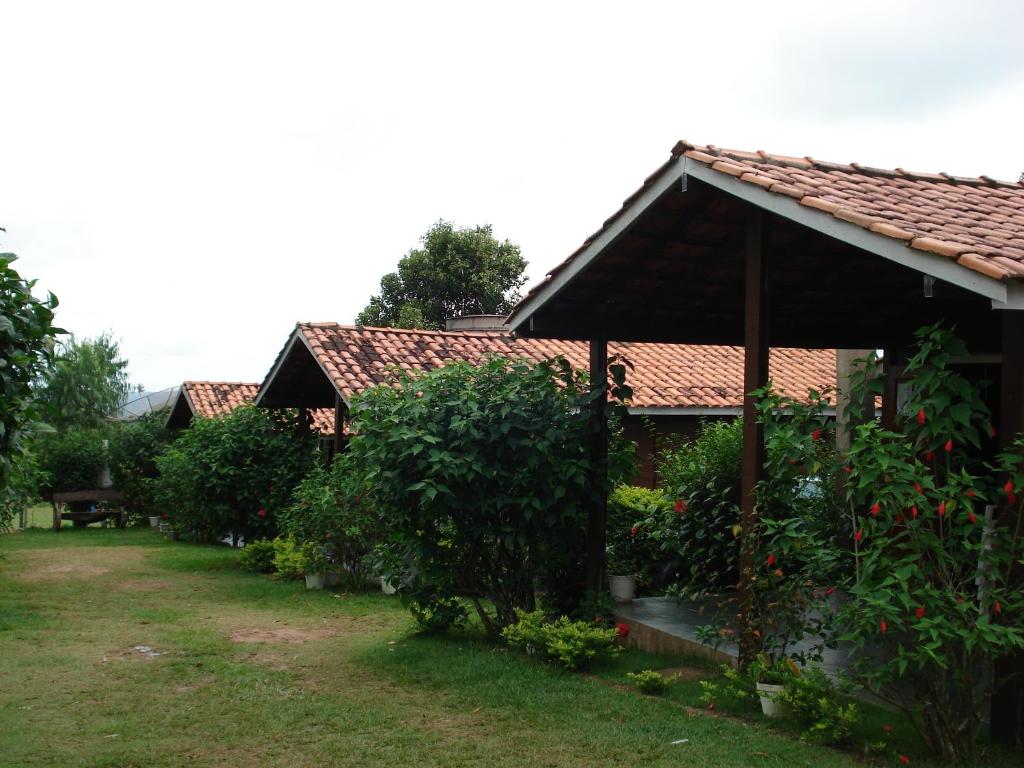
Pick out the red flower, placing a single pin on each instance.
(816, 435)
(262, 513)
(904, 759)
(942, 508)
(929, 456)
(875, 509)
(920, 416)
(883, 626)
(1011, 498)
(919, 612)
(847, 469)
(770, 560)
(997, 608)
(918, 488)
(633, 532)
(973, 518)
(622, 629)
(778, 572)
(858, 535)
(829, 591)
(913, 512)
(680, 506)
(949, 445)
(970, 493)
(887, 728)
(757, 634)
(1008, 487)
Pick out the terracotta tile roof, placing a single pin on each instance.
(664, 375)
(976, 221)
(219, 398)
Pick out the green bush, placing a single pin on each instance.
(289, 559)
(72, 461)
(435, 612)
(482, 475)
(232, 475)
(649, 681)
(570, 644)
(134, 448)
(333, 509)
(258, 556)
(632, 551)
(821, 706)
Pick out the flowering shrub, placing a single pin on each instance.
(570, 644)
(631, 550)
(932, 604)
(482, 473)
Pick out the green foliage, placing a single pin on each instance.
(71, 461)
(435, 612)
(456, 272)
(258, 556)
(703, 479)
(822, 707)
(596, 608)
(26, 341)
(570, 644)
(933, 595)
(134, 448)
(85, 383)
(649, 681)
(231, 475)
(289, 559)
(482, 475)
(632, 551)
(332, 508)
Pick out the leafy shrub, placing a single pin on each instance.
(821, 706)
(649, 681)
(289, 559)
(596, 608)
(134, 448)
(570, 644)
(435, 612)
(933, 595)
(72, 461)
(230, 475)
(631, 548)
(258, 556)
(482, 475)
(333, 509)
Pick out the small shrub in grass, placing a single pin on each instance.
(570, 644)
(821, 706)
(648, 681)
(435, 612)
(258, 556)
(289, 560)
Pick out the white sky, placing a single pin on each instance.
(197, 177)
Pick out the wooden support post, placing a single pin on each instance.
(1008, 700)
(339, 423)
(597, 519)
(755, 376)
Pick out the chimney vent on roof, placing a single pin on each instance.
(476, 323)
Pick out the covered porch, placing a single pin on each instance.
(760, 250)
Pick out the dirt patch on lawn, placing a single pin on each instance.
(76, 563)
(280, 634)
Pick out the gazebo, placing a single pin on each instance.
(762, 250)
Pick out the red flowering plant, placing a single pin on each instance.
(931, 605)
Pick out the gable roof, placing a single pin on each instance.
(965, 230)
(695, 378)
(210, 399)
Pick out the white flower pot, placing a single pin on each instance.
(771, 706)
(154, 521)
(622, 588)
(386, 586)
(315, 580)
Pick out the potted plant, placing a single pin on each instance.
(620, 558)
(770, 680)
(314, 565)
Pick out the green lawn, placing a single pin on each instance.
(255, 672)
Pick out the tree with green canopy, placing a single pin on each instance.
(85, 383)
(455, 272)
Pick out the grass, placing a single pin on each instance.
(257, 672)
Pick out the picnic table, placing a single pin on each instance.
(71, 505)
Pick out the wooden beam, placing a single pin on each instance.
(755, 376)
(339, 423)
(597, 517)
(1008, 700)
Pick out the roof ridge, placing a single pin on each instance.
(233, 383)
(425, 331)
(787, 161)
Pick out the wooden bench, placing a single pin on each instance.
(83, 518)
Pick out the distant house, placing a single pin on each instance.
(323, 365)
(208, 399)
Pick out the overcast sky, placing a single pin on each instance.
(197, 177)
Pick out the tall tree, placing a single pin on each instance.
(456, 272)
(85, 384)
(26, 340)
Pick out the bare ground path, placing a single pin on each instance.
(120, 649)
